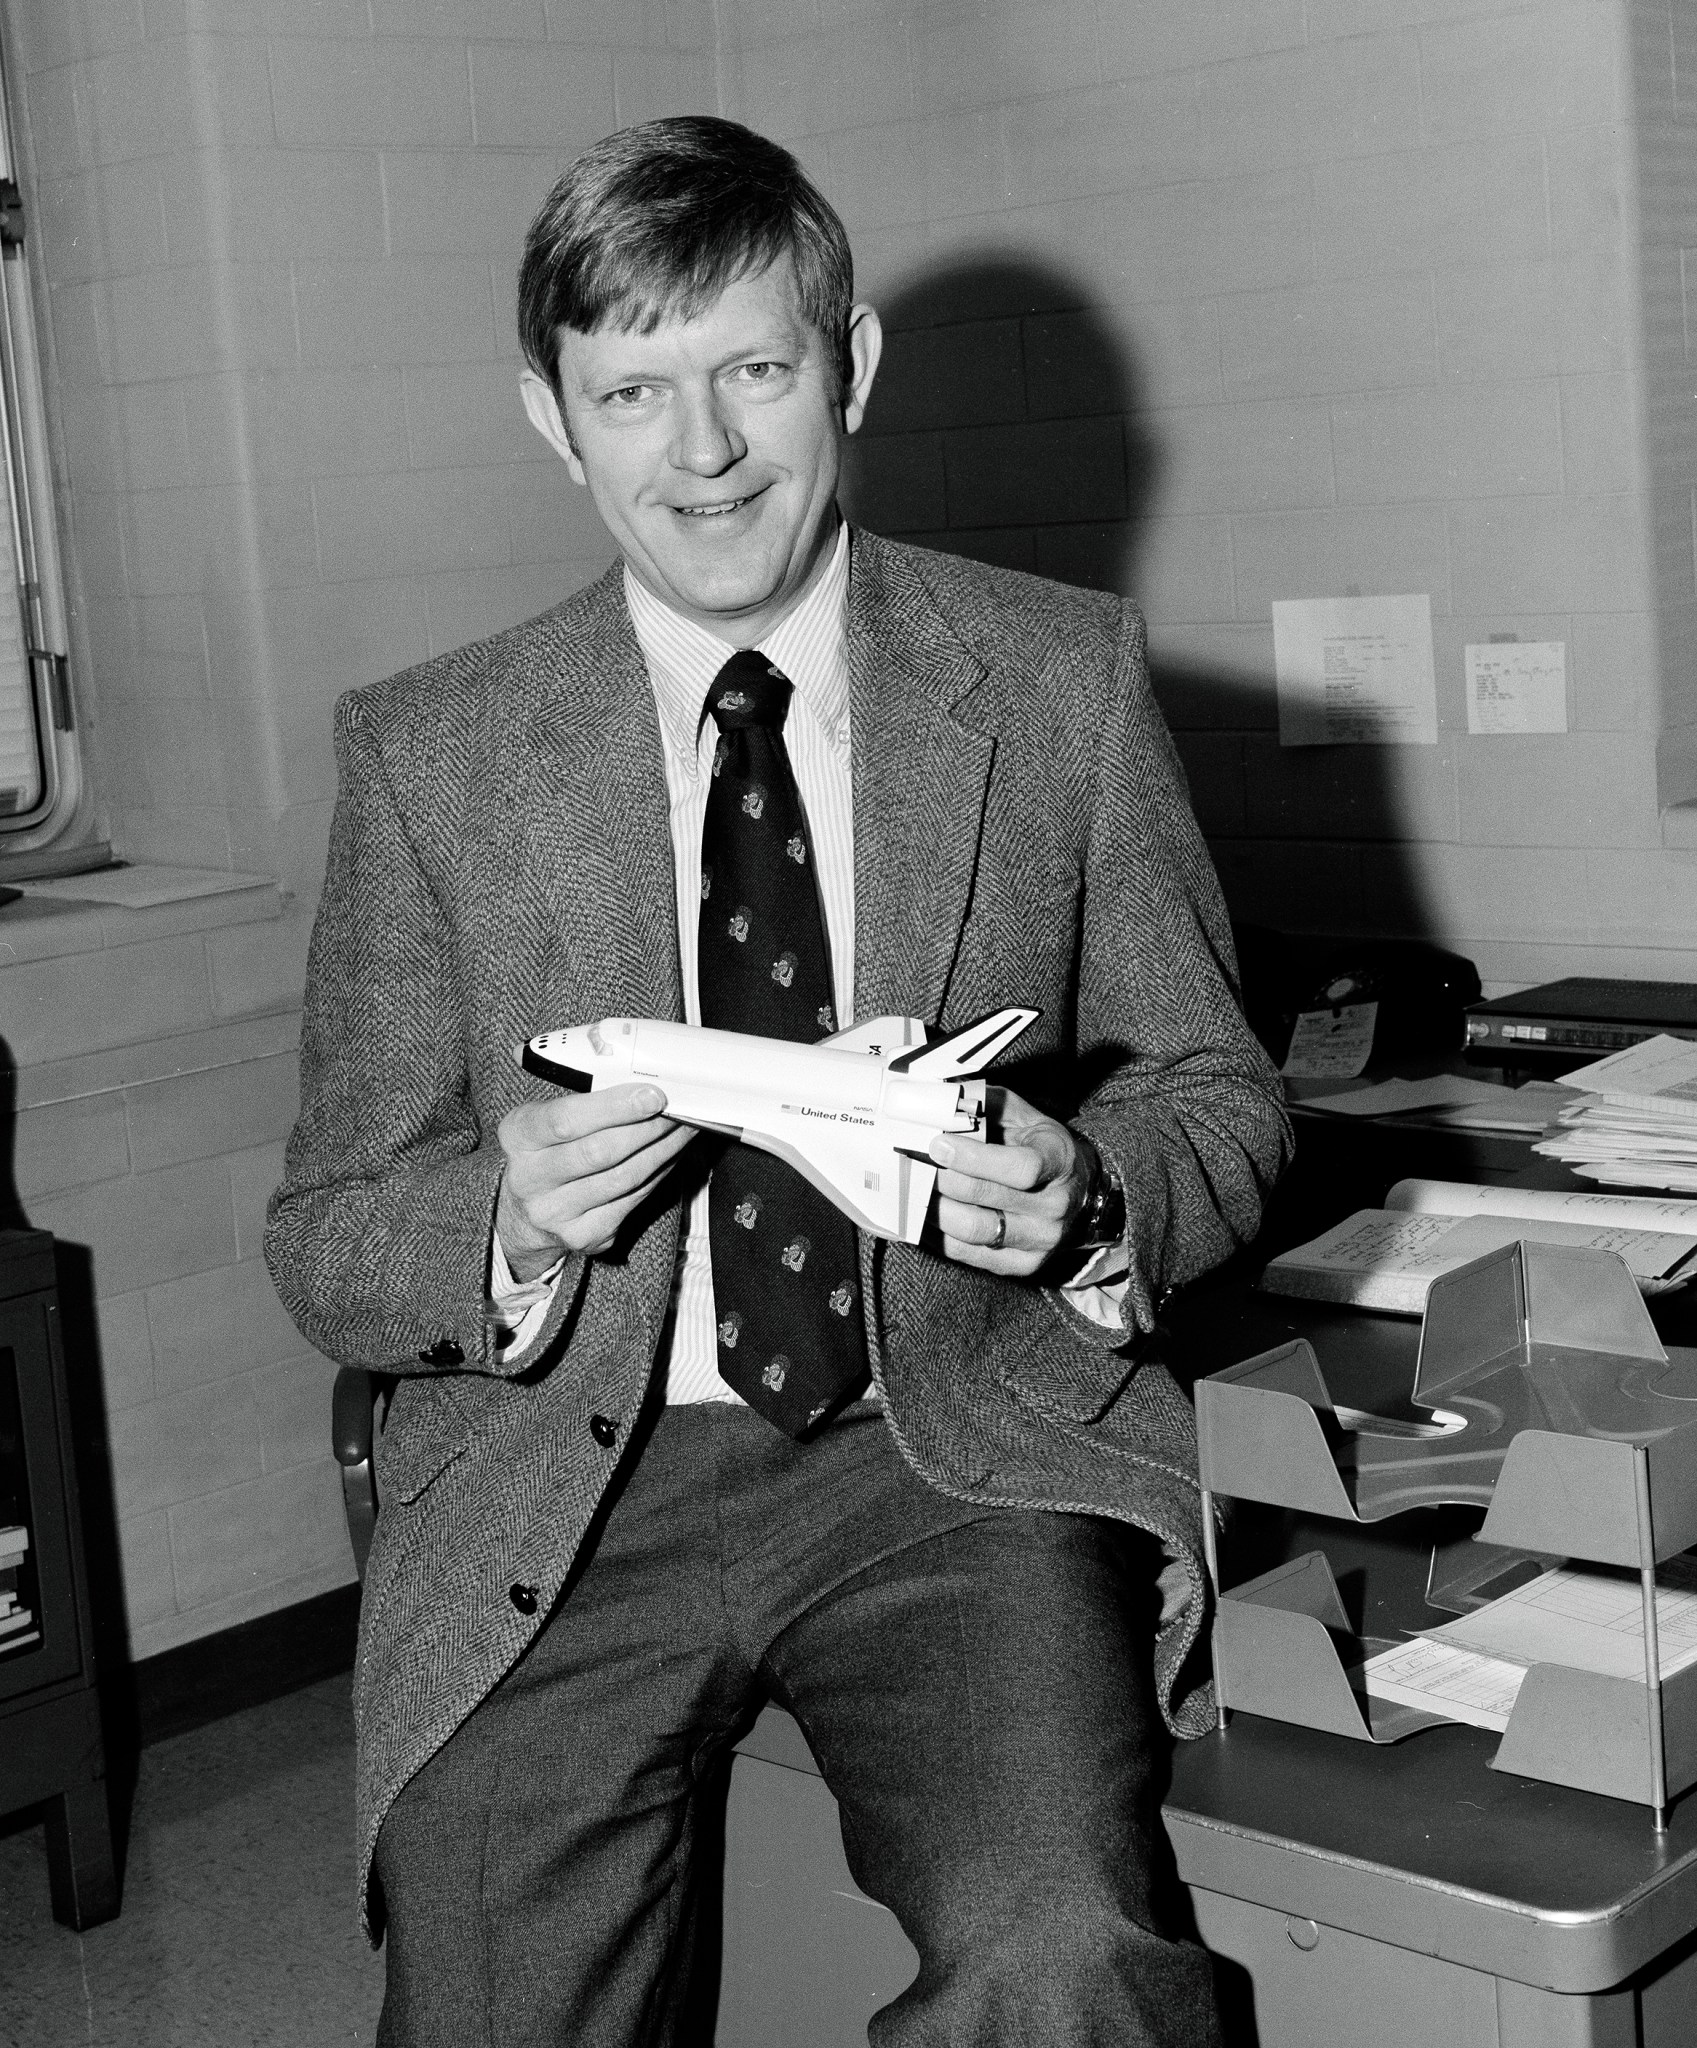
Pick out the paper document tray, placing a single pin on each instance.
(1280, 1649)
(1543, 1395)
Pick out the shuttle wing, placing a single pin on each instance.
(882, 1190)
(878, 1035)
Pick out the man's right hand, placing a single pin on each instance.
(576, 1168)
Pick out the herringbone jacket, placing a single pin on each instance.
(500, 865)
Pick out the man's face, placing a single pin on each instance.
(712, 447)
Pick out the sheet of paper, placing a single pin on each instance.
(1664, 1067)
(1355, 669)
(1394, 1098)
(1532, 1107)
(1546, 1205)
(1459, 1684)
(1332, 1044)
(1518, 686)
(1588, 1620)
(1425, 1244)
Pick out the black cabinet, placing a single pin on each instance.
(51, 1750)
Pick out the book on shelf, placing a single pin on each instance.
(1388, 1258)
(23, 1617)
(13, 1543)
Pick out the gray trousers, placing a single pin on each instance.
(974, 1684)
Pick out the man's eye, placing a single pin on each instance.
(630, 394)
(759, 373)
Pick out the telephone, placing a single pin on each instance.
(1421, 990)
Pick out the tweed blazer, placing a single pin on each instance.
(500, 864)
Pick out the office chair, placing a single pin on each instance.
(355, 1419)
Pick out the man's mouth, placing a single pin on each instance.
(715, 511)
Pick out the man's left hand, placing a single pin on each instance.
(1007, 1207)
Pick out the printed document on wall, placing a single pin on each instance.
(1355, 670)
(1517, 687)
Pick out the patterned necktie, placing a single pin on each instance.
(786, 1269)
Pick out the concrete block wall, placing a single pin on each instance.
(1218, 304)
(275, 242)
(1212, 301)
(151, 1064)
(279, 244)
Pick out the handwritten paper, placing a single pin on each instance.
(1331, 1045)
(1354, 670)
(1517, 686)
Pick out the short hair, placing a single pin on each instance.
(655, 221)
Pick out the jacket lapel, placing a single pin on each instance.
(920, 774)
(591, 783)
(593, 799)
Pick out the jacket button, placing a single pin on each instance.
(523, 1598)
(605, 1433)
(443, 1352)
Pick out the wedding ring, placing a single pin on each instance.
(1001, 1236)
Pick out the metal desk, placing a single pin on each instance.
(1410, 1894)
(1402, 1897)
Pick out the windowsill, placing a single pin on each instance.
(125, 906)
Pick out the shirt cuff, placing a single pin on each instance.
(1098, 1289)
(517, 1309)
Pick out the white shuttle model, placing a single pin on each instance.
(854, 1114)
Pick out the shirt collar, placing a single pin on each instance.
(809, 644)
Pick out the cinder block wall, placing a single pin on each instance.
(1219, 304)
(1213, 301)
(277, 246)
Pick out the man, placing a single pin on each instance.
(595, 1559)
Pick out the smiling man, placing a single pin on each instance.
(669, 1440)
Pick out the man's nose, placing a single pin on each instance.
(707, 441)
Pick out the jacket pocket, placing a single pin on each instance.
(1070, 1380)
(430, 1422)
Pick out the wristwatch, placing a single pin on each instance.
(1102, 1219)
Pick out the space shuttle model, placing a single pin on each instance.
(854, 1114)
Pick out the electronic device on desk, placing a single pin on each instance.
(1561, 1025)
(1419, 994)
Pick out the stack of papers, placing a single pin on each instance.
(1460, 1100)
(1636, 1123)
(1470, 1670)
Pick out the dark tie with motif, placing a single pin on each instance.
(786, 1270)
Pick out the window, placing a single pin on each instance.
(39, 781)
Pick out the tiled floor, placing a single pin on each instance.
(237, 1928)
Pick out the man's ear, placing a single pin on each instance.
(865, 346)
(549, 420)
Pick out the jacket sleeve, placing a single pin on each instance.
(378, 1239)
(1190, 1115)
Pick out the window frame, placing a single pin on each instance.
(27, 468)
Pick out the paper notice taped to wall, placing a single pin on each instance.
(1517, 687)
(1355, 670)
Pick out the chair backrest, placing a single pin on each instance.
(353, 1429)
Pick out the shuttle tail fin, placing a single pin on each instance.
(968, 1051)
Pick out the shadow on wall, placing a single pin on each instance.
(1011, 423)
